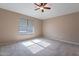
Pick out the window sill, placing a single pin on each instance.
(25, 33)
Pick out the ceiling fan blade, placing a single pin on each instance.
(47, 8)
(44, 4)
(36, 4)
(41, 4)
(37, 8)
(42, 10)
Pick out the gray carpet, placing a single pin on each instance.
(39, 47)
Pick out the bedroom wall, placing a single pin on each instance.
(9, 22)
(63, 28)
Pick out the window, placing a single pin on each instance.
(25, 26)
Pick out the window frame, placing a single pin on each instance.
(25, 32)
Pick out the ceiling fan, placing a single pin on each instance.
(41, 6)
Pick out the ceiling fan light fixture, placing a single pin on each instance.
(42, 6)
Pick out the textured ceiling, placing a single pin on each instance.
(57, 9)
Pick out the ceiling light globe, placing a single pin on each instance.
(41, 8)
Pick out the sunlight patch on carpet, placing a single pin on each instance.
(36, 45)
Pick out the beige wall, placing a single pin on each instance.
(63, 28)
(9, 22)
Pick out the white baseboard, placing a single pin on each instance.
(70, 42)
